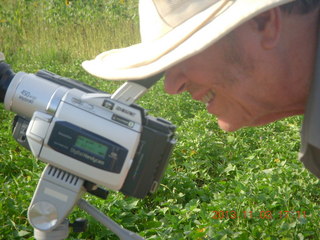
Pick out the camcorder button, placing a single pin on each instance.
(35, 132)
(38, 125)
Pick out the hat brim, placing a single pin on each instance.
(151, 57)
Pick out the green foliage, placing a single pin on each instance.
(48, 30)
(242, 185)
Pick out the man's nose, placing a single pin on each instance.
(174, 83)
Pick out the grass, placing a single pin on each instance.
(243, 185)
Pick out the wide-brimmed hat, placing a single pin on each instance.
(172, 31)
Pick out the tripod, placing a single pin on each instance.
(56, 195)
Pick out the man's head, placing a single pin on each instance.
(258, 73)
(238, 56)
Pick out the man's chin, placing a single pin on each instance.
(229, 127)
(234, 126)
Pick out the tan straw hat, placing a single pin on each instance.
(173, 30)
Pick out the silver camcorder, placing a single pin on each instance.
(103, 139)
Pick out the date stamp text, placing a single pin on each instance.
(232, 214)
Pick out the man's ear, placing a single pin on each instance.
(268, 25)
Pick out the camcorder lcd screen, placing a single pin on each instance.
(91, 146)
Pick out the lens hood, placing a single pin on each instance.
(6, 75)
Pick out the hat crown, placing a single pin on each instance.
(175, 12)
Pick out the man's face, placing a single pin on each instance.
(240, 84)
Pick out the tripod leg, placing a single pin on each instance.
(121, 232)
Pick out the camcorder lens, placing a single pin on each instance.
(6, 75)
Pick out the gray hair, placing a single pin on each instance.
(301, 6)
